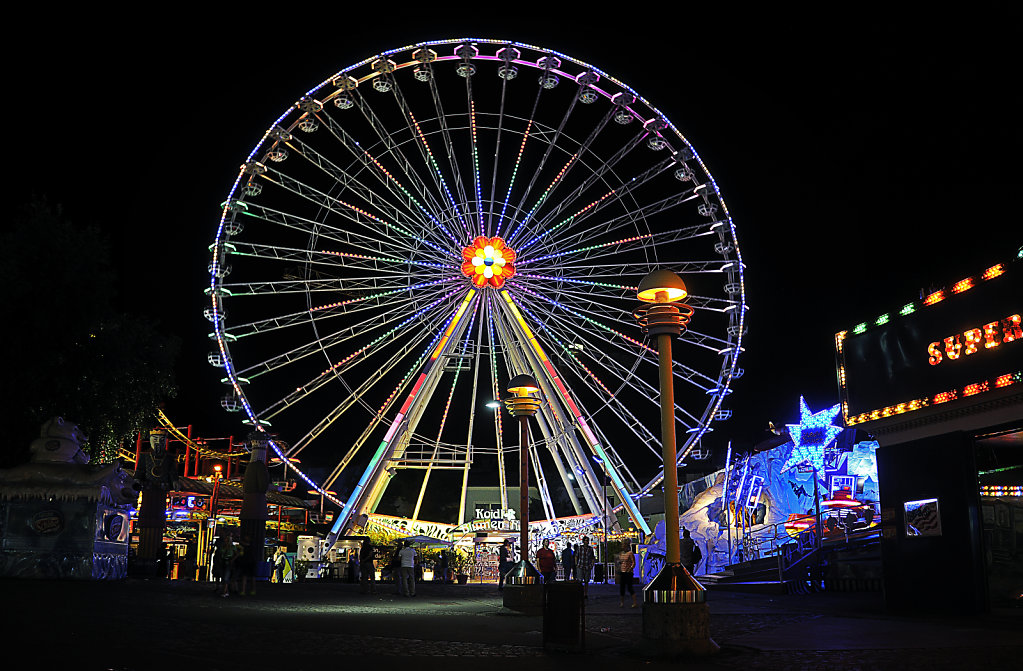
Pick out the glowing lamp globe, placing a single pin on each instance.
(523, 384)
(661, 286)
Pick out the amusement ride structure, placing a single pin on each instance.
(432, 221)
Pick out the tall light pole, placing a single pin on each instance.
(675, 615)
(523, 591)
(603, 518)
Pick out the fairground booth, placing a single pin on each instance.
(937, 382)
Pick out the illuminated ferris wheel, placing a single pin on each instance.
(434, 220)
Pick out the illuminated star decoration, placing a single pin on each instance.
(811, 436)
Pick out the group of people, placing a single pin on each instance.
(576, 561)
(403, 565)
(234, 565)
(577, 564)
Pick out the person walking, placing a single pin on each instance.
(584, 560)
(223, 562)
(407, 570)
(280, 561)
(626, 566)
(568, 561)
(547, 563)
(505, 561)
(367, 568)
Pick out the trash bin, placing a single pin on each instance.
(564, 616)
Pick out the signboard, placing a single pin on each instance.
(951, 344)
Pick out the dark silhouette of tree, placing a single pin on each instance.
(69, 351)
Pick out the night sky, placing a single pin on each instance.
(863, 157)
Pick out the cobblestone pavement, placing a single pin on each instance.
(136, 625)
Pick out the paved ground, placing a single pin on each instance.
(136, 625)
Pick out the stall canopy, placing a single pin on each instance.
(427, 541)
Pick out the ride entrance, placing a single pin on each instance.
(432, 221)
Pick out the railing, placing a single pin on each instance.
(794, 552)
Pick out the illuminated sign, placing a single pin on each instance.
(953, 343)
(992, 335)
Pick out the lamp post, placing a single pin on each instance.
(604, 516)
(523, 591)
(675, 614)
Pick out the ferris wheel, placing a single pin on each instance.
(436, 219)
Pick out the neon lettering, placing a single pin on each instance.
(990, 331)
(972, 338)
(953, 347)
(968, 342)
(1011, 329)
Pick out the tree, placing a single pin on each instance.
(69, 352)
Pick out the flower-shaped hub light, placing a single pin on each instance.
(488, 262)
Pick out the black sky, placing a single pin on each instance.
(862, 156)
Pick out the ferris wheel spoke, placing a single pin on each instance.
(319, 229)
(682, 371)
(615, 248)
(379, 414)
(355, 397)
(365, 326)
(623, 374)
(611, 197)
(628, 222)
(429, 160)
(307, 316)
(429, 314)
(595, 272)
(551, 144)
(394, 186)
(616, 289)
(449, 146)
(474, 148)
(425, 203)
(279, 287)
(393, 148)
(353, 213)
(313, 228)
(590, 180)
(347, 182)
(491, 224)
(330, 376)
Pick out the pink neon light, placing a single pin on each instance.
(394, 427)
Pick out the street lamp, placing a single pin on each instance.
(523, 591)
(675, 612)
(603, 517)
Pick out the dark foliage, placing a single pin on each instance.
(69, 351)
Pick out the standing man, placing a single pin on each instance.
(505, 561)
(407, 570)
(367, 568)
(568, 561)
(687, 551)
(547, 563)
(584, 559)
